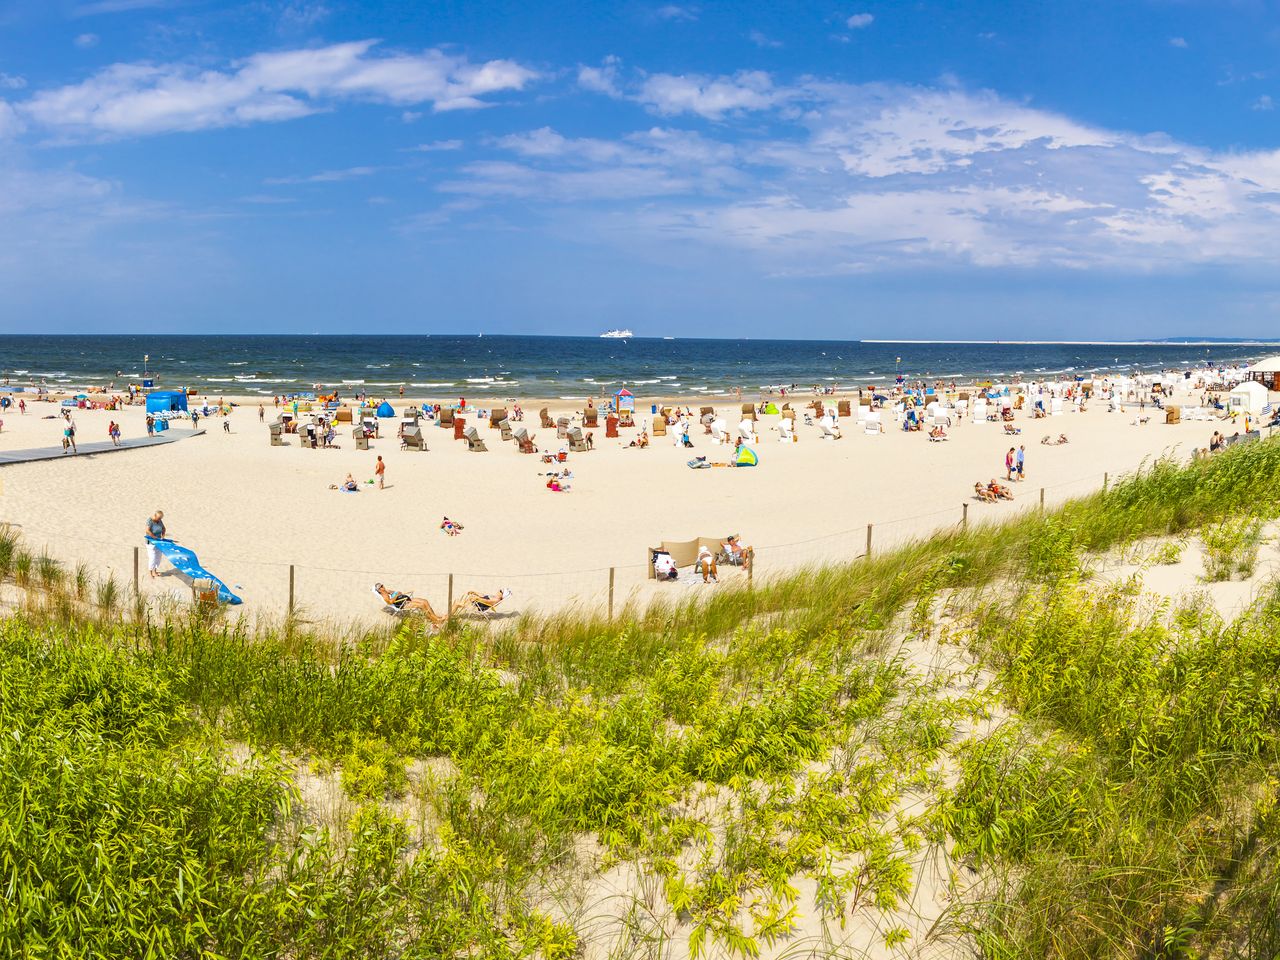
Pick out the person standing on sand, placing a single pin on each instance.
(22, 407)
(380, 471)
(1008, 464)
(1021, 458)
(155, 531)
(262, 413)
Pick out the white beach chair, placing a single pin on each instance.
(979, 411)
(719, 430)
(872, 425)
(830, 429)
(747, 432)
(786, 430)
(863, 413)
(1055, 408)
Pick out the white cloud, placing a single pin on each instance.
(10, 82)
(889, 177)
(1264, 103)
(117, 6)
(86, 40)
(10, 124)
(601, 79)
(859, 20)
(141, 98)
(1179, 42)
(325, 176)
(763, 41)
(709, 97)
(673, 11)
(437, 145)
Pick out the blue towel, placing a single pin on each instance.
(185, 561)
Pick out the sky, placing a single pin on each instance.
(966, 170)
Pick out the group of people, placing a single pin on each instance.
(401, 602)
(732, 549)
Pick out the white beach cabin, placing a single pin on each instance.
(1249, 397)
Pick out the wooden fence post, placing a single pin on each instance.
(964, 517)
(1042, 498)
(1106, 480)
(291, 579)
(611, 572)
(868, 540)
(136, 587)
(449, 603)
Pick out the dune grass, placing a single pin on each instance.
(724, 752)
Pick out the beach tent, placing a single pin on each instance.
(1267, 371)
(746, 457)
(771, 408)
(1248, 397)
(166, 401)
(386, 411)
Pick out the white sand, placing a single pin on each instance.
(250, 510)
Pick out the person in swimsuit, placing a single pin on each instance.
(406, 601)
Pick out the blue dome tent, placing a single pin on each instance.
(386, 411)
(167, 401)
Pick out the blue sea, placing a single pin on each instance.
(565, 367)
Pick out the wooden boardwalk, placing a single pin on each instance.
(94, 448)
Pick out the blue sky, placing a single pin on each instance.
(861, 169)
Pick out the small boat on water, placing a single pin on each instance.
(623, 334)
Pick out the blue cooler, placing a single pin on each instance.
(162, 425)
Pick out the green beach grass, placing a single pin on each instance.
(760, 772)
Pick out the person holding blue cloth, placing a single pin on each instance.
(155, 531)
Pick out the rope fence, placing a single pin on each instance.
(276, 586)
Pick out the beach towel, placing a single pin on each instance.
(699, 464)
(185, 561)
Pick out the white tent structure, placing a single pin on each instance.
(1266, 370)
(1249, 397)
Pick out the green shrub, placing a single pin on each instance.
(372, 770)
(1231, 548)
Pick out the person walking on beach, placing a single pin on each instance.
(262, 413)
(1020, 462)
(113, 431)
(69, 436)
(1008, 464)
(151, 426)
(155, 531)
(380, 471)
(22, 407)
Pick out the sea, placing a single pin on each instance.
(561, 367)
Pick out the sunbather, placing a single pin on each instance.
(737, 552)
(983, 493)
(404, 602)
(450, 527)
(481, 603)
(999, 490)
(348, 485)
(937, 433)
(706, 564)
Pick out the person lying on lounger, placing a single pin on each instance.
(982, 493)
(482, 603)
(405, 602)
(999, 490)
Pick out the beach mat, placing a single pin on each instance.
(185, 561)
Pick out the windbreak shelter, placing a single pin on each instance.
(167, 401)
(684, 552)
(386, 411)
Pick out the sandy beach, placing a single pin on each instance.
(251, 510)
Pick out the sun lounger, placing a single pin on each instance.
(496, 416)
(843, 408)
(659, 426)
(749, 411)
(342, 415)
(411, 438)
(474, 443)
(446, 417)
(577, 442)
(504, 427)
(562, 427)
(362, 440)
(277, 433)
(546, 421)
(590, 418)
